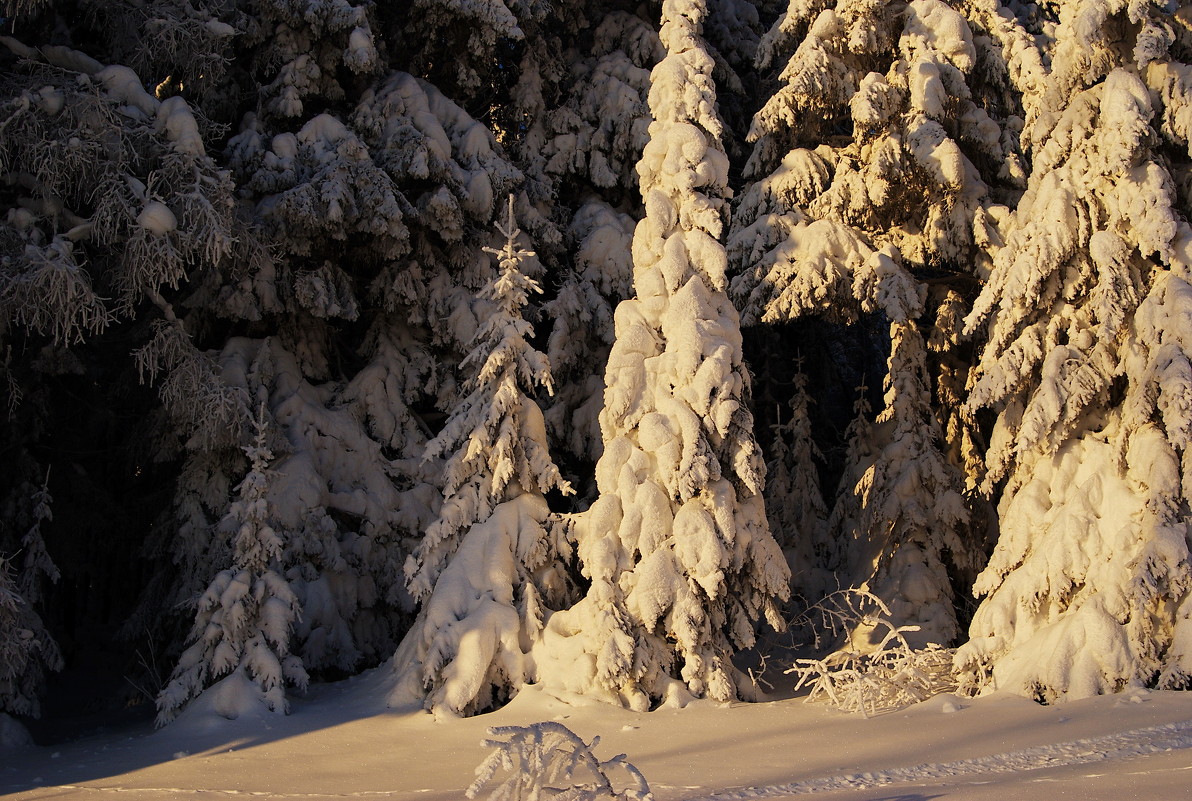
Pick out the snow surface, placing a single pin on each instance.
(340, 743)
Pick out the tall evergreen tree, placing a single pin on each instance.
(845, 226)
(1087, 366)
(679, 557)
(485, 564)
(794, 501)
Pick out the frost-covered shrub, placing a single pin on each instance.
(875, 670)
(549, 761)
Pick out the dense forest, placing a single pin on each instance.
(590, 345)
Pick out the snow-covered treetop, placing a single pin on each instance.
(507, 329)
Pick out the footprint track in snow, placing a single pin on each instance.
(1122, 745)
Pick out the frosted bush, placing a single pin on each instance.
(876, 670)
(548, 760)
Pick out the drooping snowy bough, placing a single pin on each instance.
(1088, 317)
(677, 549)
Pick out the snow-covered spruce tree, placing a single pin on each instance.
(373, 187)
(582, 104)
(899, 121)
(487, 568)
(339, 219)
(240, 650)
(1087, 367)
(847, 515)
(401, 186)
(26, 649)
(679, 557)
(841, 226)
(900, 518)
(794, 501)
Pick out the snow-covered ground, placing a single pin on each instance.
(338, 744)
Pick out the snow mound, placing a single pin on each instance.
(12, 733)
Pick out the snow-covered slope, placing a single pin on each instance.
(338, 744)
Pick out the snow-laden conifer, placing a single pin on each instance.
(37, 567)
(240, 644)
(844, 226)
(582, 331)
(1087, 367)
(376, 210)
(347, 506)
(794, 501)
(487, 566)
(900, 520)
(679, 557)
(27, 649)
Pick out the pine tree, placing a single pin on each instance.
(679, 557)
(901, 521)
(485, 566)
(240, 651)
(845, 226)
(27, 649)
(1086, 364)
(794, 501)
